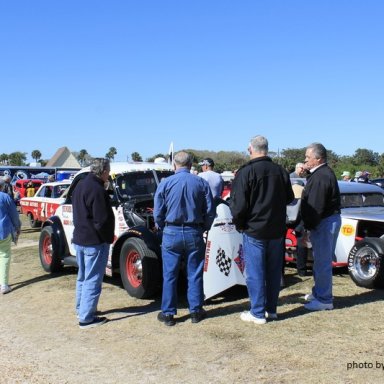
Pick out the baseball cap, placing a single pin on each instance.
(207, 161)
(345, 173)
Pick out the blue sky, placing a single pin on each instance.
(203, 74)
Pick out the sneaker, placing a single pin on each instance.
(94, 323)
(270, 315)
(166, 319)
(309, 297)
(196, 317)
(5, 289)
(316, 305)
(247, 316)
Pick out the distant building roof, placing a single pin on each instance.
(63, 158)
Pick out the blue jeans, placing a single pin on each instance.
(182, 243)
(92, 261)
(263, 265)
(323, 240)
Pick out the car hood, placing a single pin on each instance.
(364, 213)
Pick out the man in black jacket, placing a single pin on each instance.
(260, 193)
(94, 223)
(320, 211)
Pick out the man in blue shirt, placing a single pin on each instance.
(183, 209)
(214, 179)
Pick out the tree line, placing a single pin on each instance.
(361, 160)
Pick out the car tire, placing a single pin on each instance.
(140, 269)
(49, 253)
(366, 263)
(32, 221)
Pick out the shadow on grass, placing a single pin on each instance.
(29, 230)
(46, 276)
(223, 304)
(132, 311)
(340, 302)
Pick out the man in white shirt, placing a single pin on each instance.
(214, 179)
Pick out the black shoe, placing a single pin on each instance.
(166, 319)
(196, 317)
(302, 273)
(94, 323)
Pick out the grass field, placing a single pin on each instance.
(340, 346)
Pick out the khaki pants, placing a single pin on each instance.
(5, 259)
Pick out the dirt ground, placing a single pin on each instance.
(40, 341)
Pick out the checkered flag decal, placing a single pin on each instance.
(223, 262)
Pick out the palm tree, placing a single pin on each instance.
(111, 153)
(36, 155)
(4, 158)
(136, 156)
(17, 158)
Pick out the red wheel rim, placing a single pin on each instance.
(133, 269)
(47, 250)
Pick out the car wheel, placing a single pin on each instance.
(366, 263)
(32, 222)
(139, 269)
(48, 251)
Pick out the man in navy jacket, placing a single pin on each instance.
(94, 223)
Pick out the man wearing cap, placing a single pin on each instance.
(214, 179)
(364, 177)
(361, 177)
(346, 176)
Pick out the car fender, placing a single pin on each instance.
(378, 242)
(346, 239)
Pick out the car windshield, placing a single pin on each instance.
(352, 200)
(135, 184)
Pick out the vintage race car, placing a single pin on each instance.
(20, 187)
(135, 253)
(45, 202)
